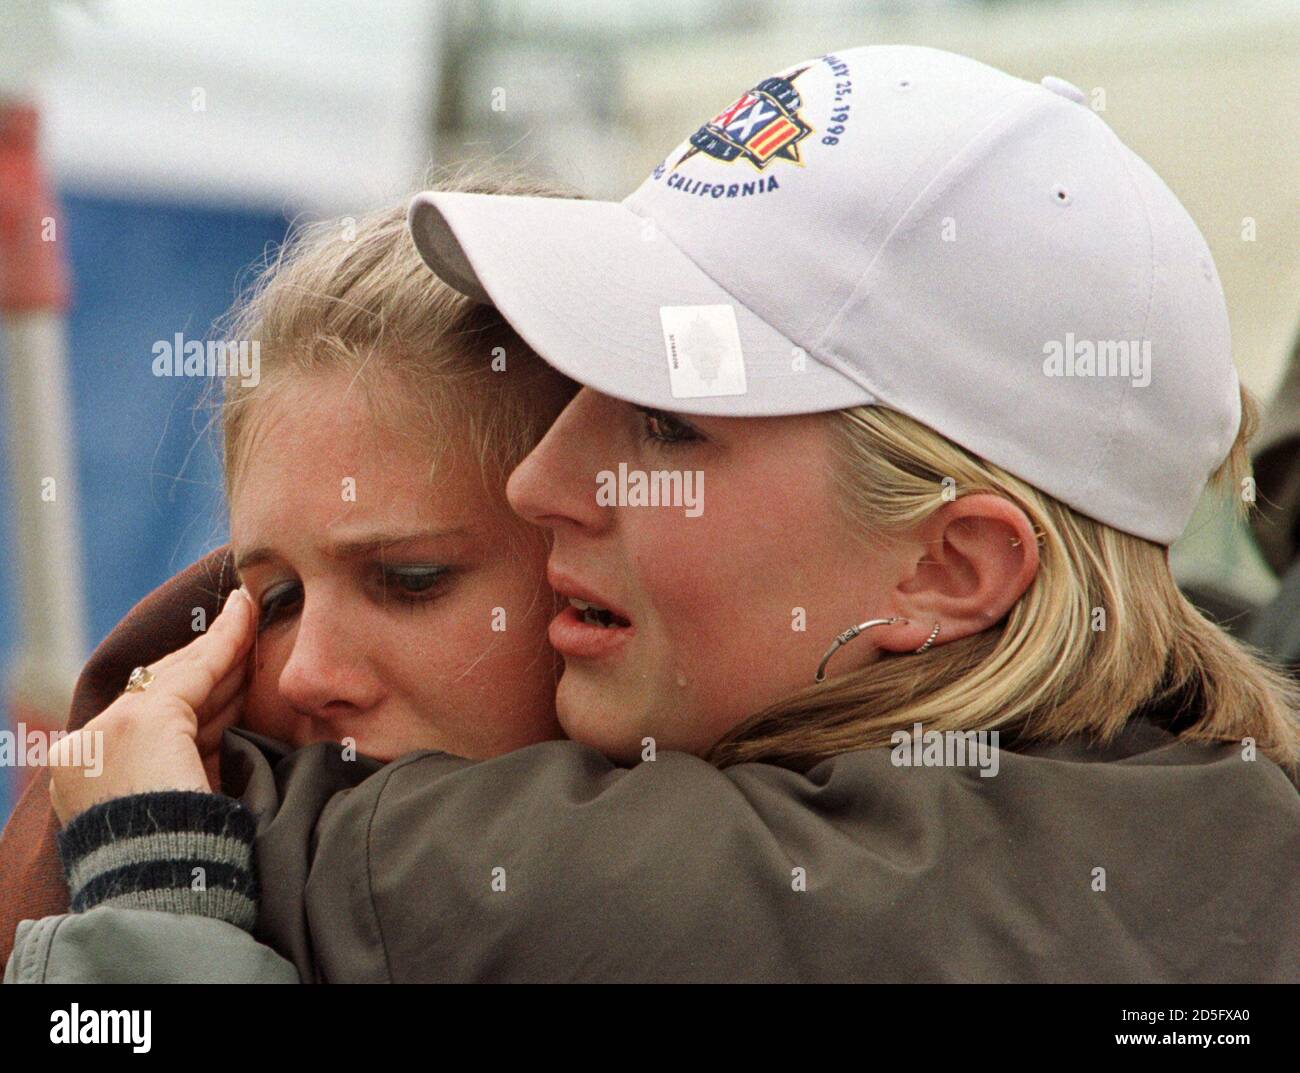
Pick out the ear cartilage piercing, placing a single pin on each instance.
(928, 641)
(1039, 536)
(847, 636)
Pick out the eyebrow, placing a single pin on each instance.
(353, 549)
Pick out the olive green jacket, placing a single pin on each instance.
(1149, 860)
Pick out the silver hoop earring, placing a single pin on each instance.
(928, 641)
(847, 636)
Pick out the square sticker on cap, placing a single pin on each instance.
(703, 347)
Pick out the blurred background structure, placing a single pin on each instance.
(184, 139)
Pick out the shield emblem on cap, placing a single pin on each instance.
(760, 126)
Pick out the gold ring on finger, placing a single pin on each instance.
(139, 680)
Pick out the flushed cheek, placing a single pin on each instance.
(693, 571)
(473, 703)
(729, 634)
(684, 622)
(265, 711)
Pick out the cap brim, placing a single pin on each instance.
(583, 282)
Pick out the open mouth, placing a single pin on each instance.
(594, 615)
(585, 630)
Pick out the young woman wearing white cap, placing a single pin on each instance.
(912, 694)
(1001, 357)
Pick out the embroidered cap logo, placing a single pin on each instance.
(761, 126)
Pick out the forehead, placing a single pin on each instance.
(322, 453)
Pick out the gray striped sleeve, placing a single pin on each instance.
(177, 851)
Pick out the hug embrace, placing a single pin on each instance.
(908, 692)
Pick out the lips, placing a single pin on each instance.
(591, 626)
(569, 588)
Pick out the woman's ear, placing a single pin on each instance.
(974, 558)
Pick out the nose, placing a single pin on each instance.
(555, 486)
(328, 674)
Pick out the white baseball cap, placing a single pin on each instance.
(896, 226)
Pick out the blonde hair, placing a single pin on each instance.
(354, 295)
(1046, 673)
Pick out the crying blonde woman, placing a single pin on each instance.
(914, 527)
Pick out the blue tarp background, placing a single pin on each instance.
(148, 477)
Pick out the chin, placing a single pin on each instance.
(593, 719)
